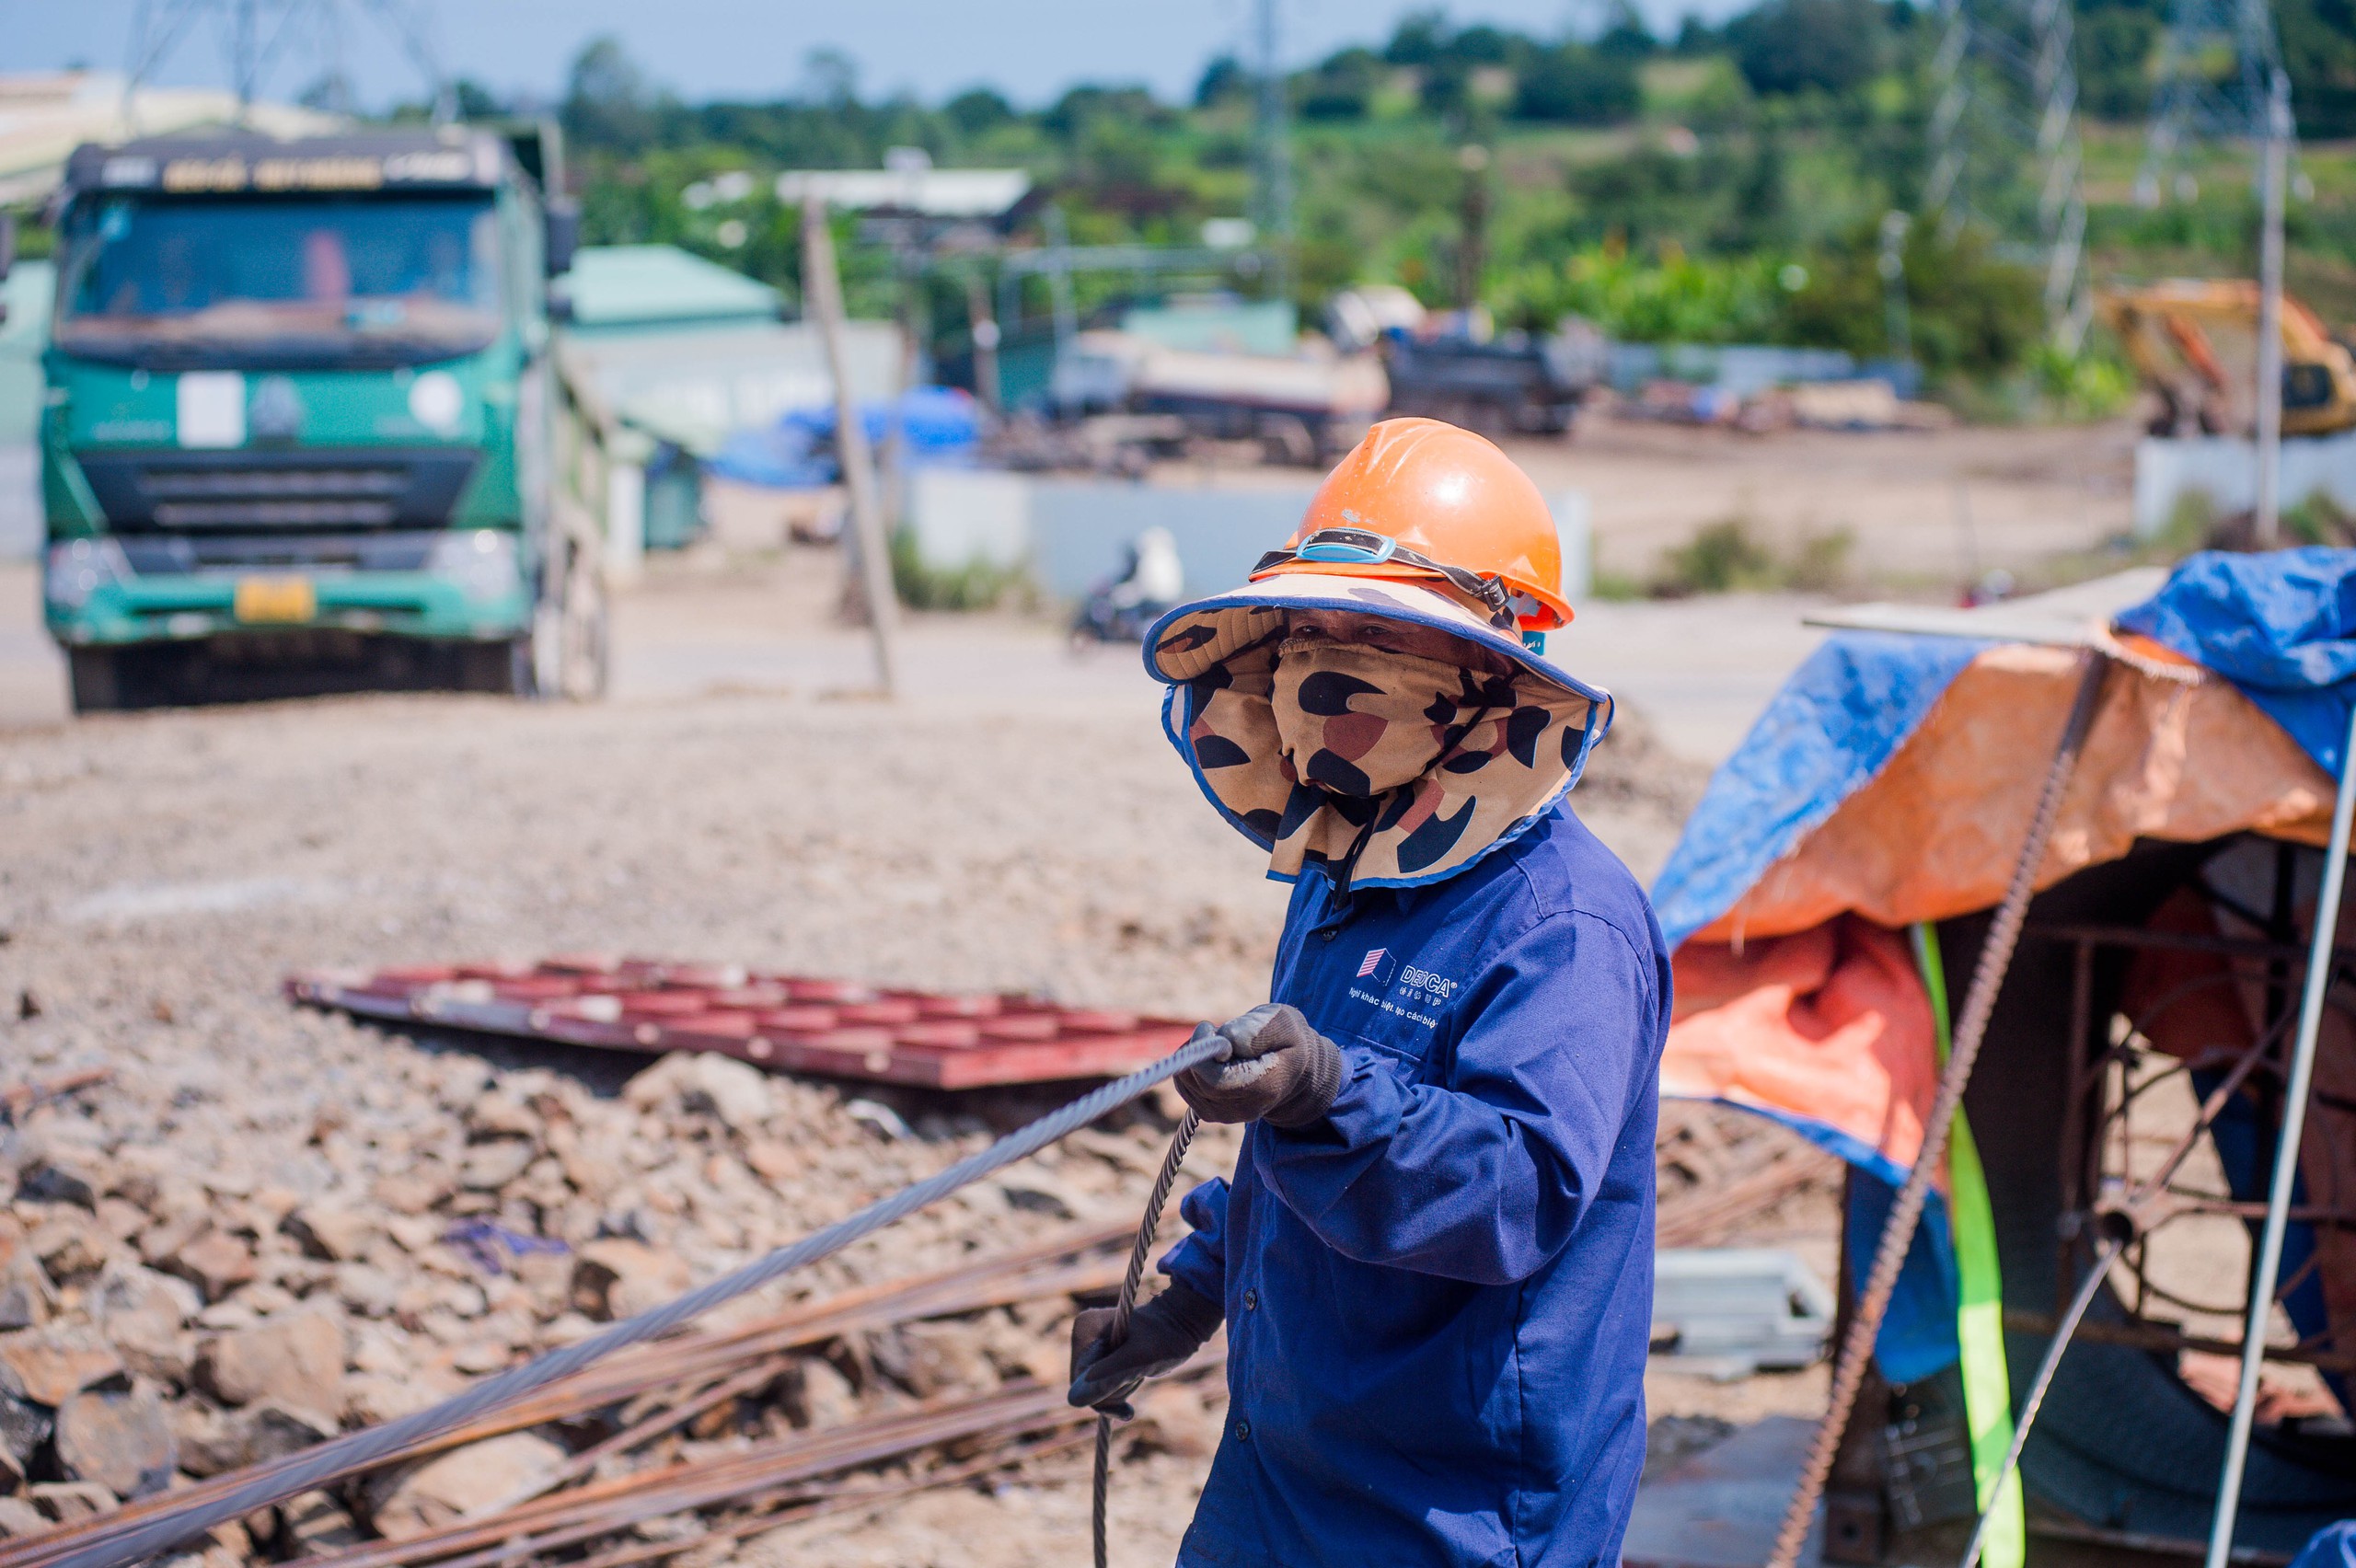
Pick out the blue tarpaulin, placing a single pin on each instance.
(1828, 731)
(2281, 626)
(939, 426)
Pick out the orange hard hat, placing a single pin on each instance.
(1427, 500)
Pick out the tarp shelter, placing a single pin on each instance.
(1889, 785)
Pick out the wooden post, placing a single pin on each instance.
(822, 300)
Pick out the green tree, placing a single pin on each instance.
(1573, 83)
(976, 110)
(605, 100)
(1789, 46)
(1223, 79)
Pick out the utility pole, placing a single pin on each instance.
(1472, 242)
(1897, 327)
(822, 294)
(1272, 187)
(2269, 315)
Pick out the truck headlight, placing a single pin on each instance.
(483, 562)
(79, 568)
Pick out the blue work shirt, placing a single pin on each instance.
(1438, 1297)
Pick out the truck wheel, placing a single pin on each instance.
(502, 668)
(587, 645)
(96, 678)
(571, 638)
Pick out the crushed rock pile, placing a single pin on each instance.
(183, 1294)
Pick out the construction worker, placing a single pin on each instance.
(1435, 1257)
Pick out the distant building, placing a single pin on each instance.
(685, 353)
(44, 117)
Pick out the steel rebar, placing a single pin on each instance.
(1898, 1232)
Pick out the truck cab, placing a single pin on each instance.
(299, 417)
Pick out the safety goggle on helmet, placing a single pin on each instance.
(1419, 500)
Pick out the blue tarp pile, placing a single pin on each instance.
(939, 426)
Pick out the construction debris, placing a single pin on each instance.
(301, 1303)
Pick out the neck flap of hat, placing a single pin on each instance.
(1505, 748)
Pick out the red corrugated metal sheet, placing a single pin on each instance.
(782, 1021)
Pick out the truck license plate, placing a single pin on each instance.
(276, 600)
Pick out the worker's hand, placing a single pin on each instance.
(1162, 1334)
(1277, 1069)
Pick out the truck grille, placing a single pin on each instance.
(310, 490)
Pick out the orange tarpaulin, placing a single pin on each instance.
(1934, 834)
(1830, 1024)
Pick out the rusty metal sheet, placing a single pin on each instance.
(786, 1022)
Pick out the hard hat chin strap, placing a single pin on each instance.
(1364, 546)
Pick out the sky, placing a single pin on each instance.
(1029, 50)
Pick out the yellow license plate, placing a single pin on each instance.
(276, 600)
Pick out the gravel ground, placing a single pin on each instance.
(166, 871)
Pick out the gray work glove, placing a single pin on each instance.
(1277, 1069)
(1162, 1334)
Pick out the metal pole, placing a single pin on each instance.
(822, 292)
(2269, 317)
(1971, 1030)
(2286, 1155)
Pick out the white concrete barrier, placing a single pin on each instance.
(2223, 468)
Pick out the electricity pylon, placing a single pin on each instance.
(256, 35)
(2004, 145)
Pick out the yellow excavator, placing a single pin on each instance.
(2195, 343)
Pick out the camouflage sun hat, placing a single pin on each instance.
(1512, 744)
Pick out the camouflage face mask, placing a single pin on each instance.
(1359, 722)
(1379, 768)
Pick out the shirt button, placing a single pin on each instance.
(1251, 1301)
(1243, 1431)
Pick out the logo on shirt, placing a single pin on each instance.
(1435, 987)
(1376, 966)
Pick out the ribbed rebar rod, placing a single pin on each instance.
(1971, 1028)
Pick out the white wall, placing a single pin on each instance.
(1072, 531)
(2225, 469)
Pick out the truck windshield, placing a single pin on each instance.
(376, 280)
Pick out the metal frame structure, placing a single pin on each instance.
(2106, 1210)
(2007, 121)
(2189, 107)
(256, 32)
(2117, 1217)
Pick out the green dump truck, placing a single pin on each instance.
(302, 422)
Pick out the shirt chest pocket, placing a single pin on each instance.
(1402, 1020)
